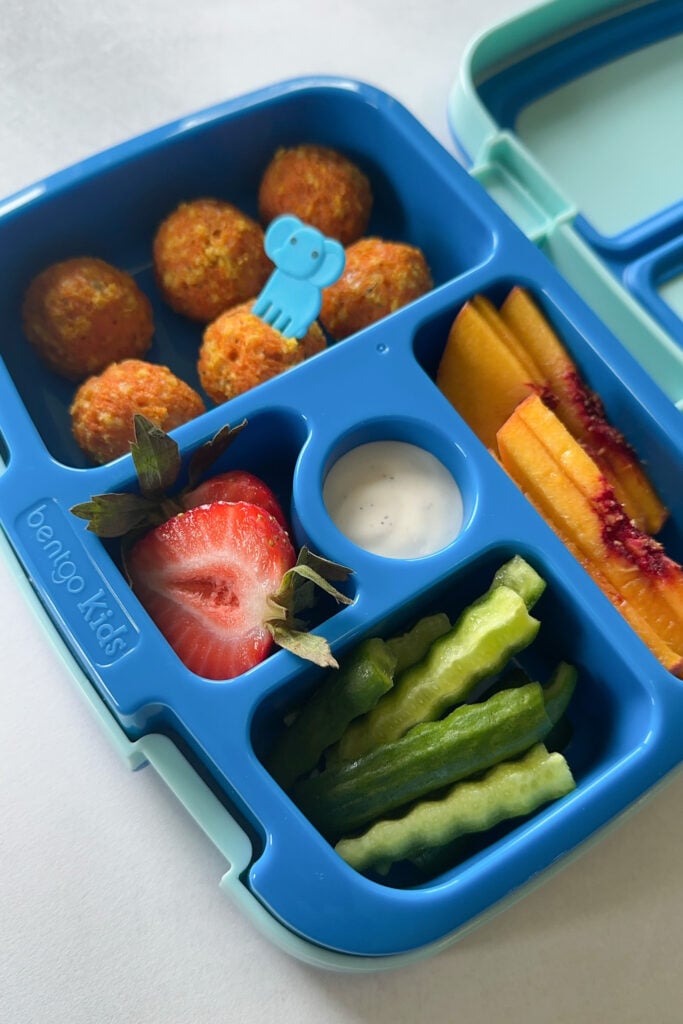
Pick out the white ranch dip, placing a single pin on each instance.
(394, 499)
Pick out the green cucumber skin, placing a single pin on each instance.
(559, 691)
(431, 755)
(363, 677)
(509, 789)
(484, 638)
(521, 577)
(411, 647)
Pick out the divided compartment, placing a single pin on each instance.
(143, 674)
(453, 498)
(655, 434)
(613, 750)
(111, 205)
(656, 279)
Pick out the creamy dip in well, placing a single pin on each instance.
(394, 499)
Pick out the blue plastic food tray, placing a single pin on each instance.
(208, 738)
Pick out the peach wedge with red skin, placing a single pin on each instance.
(582, 412)
(494, 359)
(532, 369)
(568, 489)
(480, 375)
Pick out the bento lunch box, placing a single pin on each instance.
(208, 739)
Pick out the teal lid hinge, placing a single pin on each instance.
(521, 187)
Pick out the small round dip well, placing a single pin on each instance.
(394, 499)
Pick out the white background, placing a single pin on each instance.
(109, 906)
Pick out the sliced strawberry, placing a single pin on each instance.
(236, 485)
(204, 577)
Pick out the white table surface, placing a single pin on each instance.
(109, 900)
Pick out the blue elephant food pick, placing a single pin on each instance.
(305, 263)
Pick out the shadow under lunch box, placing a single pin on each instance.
(535, 110)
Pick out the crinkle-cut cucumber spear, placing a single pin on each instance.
(521, 577)
(508, 790)
(486, 635)
(469, 740)
(411, 647)
(362, 678)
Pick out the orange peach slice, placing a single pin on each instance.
(582, 412)
(521, 314)
(568, 489)
(480, 376)
(488, 312)
(672, 661)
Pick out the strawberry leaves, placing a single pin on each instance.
(308, 646)
(118, 515)
(157, 462)
(297, 593)
(208, 454)
(156, 458)
(297, 589)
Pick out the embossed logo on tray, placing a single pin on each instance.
(77, 587)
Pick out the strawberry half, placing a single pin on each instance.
(236, 485)
(218, 577)
(205, 578)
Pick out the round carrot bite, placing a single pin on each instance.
(209, 256)
(321, 187)
(239, 351)
(379, 278)
(104, 406)
(81, 314)
(313, 341)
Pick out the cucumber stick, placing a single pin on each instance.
(518, 575)
(469, 740)
(508, 790)
(559, 691)
(363, 677)
(487, 634)
(411, 647)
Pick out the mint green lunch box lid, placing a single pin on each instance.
(569, 115)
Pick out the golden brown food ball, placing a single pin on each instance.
(379, 278)
(209, 256)
(103, 407)
(82, 314)
(239, 351)
(313, 341)
(319, 186)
